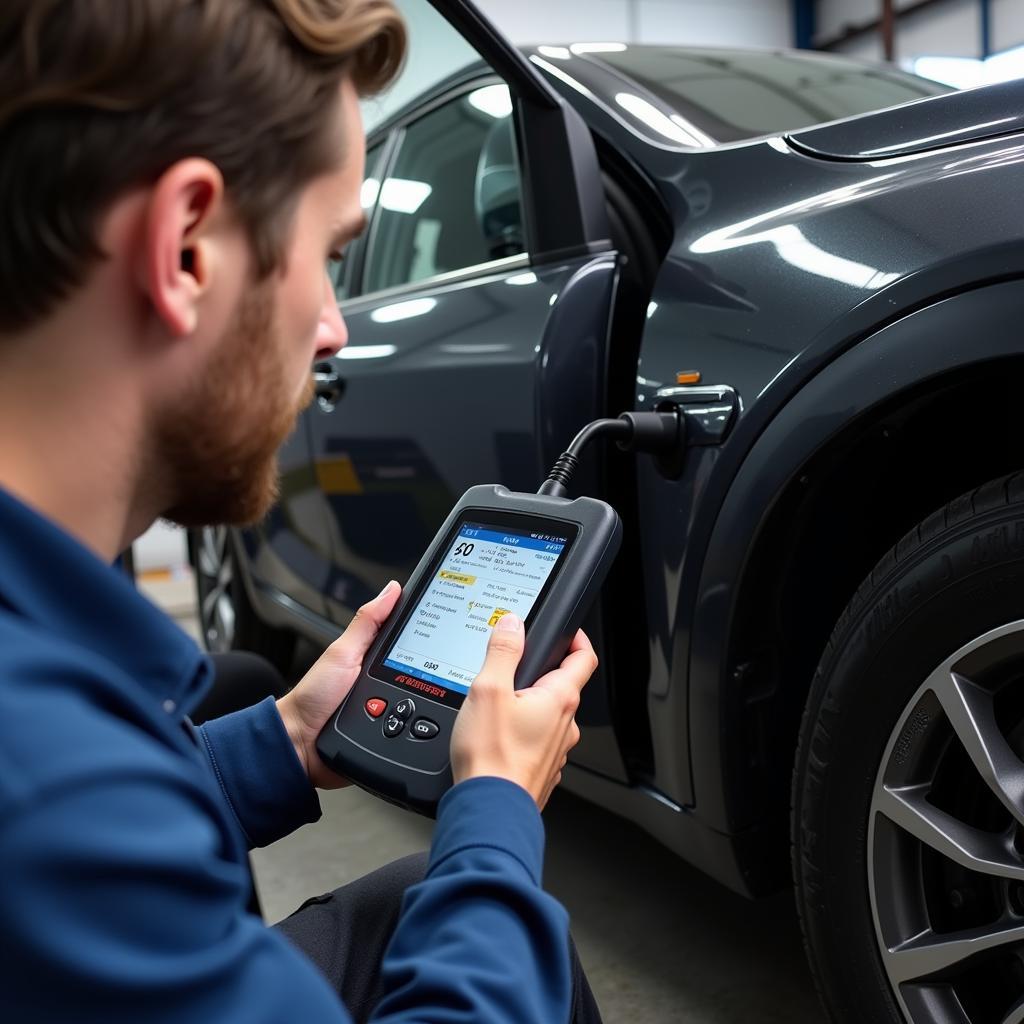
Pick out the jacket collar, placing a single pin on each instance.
(49, 578)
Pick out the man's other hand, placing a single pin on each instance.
(521, 735)
(306, 708)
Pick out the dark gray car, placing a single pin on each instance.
(813, 639)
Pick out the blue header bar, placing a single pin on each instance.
(512, 540)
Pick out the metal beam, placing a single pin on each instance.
(888, 31)
(804, 19)
(985, 14)
(869, 27)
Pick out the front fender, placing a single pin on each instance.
(947, 335)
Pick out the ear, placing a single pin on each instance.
(186, 203)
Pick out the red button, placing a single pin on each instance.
(375, 707)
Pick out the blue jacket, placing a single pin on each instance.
(124, 832)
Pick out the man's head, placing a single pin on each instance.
(189, 165)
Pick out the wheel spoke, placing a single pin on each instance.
(929, 953)
(974, 849)
(225, 621)
(971, 713)
(209, 561)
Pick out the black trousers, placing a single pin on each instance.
(345, 933)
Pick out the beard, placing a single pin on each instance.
(218, 449)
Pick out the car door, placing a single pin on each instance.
(478, 318)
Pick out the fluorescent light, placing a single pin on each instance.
(529, 277)
(966, 72)
(1006, 66)
(369, 192)
(557, 52)
(960, 72)
(367, 351)
(579, 48)
(495, 100)
(400, 311)
(670, 128)
(403, 196)
(651, 309)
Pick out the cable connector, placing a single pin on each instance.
(659, 433)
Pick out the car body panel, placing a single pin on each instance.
(800, 271)
(762, 301)
(912, 349)
(932, 123)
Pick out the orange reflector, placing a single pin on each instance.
(688, 377)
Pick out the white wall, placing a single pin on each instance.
(950, 29)
(697, 22)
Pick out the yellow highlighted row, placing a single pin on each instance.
(457, 577)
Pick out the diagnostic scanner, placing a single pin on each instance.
(538, 556)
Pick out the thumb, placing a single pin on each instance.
(504, 649)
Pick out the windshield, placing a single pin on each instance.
(740, 94)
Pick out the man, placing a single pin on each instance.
(174, 174)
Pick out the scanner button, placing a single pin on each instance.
(405, 708)
(393, 725)
(424, 729)
(375, 707)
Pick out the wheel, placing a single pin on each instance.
(908, 790)
(227, 620)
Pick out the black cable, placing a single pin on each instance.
(655, 432)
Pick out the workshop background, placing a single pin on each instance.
(661, 942)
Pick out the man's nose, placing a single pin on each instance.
(331, 332)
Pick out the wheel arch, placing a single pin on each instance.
(913, 415)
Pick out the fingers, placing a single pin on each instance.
(576, 669)
(504, 649)
(353, 644)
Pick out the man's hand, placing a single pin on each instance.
(306, 709)
(521, 735)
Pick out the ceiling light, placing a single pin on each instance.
(403, 196)
(529, 277)
(578, 48)
(367, 351)
(399, 311)
(495, 100)
(369, 192)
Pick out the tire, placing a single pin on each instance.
(227, 620)
(906, 860)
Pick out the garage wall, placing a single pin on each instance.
(950, 29)
(697, 22)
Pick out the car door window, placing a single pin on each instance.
(343, 272)
(452, 197)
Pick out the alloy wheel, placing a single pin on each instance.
(946, 840)
(216, 573)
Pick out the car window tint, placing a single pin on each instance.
(452, 199)
(736, 94)
(342, 272)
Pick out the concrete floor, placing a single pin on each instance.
(661, 943)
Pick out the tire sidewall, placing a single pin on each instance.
(912, 615)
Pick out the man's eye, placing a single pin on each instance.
(336, 256)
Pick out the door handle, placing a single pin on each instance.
(329, 387)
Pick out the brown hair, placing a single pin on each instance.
(99, 96)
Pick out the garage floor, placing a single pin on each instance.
(660, 942)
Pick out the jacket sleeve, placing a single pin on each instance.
(478, 939)
(121, 906)
(259, 773)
